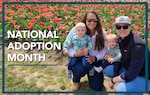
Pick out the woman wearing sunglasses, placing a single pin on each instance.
(96, 54)
(132, 78)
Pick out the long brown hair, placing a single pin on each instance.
(99, 42)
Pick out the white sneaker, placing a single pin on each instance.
(91, 72)
(70, 75)
(98, 69)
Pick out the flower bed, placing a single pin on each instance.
(62, 17)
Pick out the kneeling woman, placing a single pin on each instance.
(96, 54)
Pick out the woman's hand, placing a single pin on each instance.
(114, 80)
(110, 84)
(86, 51)
(90, 59)
(80, 53)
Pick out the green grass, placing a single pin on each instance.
(40, 78)
(36, 78)
(13, 82)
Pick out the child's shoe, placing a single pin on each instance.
(98, 69)
(91, 72)
(69, 74)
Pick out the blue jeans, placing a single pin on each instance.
(117, 66)
(136, 85)
(95, 82)
(74, 60)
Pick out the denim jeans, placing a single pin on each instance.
(74, 60)
(117, 66)
(136, 85)
(95, 82)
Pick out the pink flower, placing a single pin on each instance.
(41, 23)
(57, 20)
(137, 33)
(109, 32)
(149, 41)
(60, 29)
(49, 27)
(63, 35)
(17, 26)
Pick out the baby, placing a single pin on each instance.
(114, 51)
(79, 40)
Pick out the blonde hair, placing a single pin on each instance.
(80, 24)
(111, 36)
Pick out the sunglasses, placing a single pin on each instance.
(90, 20)
(124, 27)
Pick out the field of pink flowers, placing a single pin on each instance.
(62, 17)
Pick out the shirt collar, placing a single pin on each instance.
(94, 34)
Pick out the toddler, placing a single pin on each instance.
(79, 40)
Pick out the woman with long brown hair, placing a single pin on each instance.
(96, 54)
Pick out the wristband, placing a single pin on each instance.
(112, 81)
